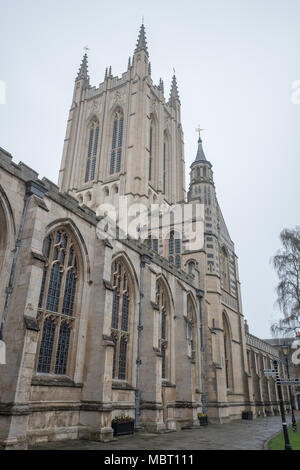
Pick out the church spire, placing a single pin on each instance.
(141, 42)
(83, 70)
(174, 95)
(200, 157)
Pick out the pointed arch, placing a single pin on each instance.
(59, 300)
(122, 315)
(116, 136)
(166, 159)
(174, 244)
(225, 273)
(191, 320)
(227, 351)
(153, 144)
(163, 303)
(93, 130)
(7, 240)
(74, 230)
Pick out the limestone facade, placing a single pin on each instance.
(98, 328)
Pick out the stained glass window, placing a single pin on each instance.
(56, 303)
(62, 349)
(117, 143)
(163, 306)
(46, 347)
(120, 318)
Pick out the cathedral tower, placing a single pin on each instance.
(124, 138)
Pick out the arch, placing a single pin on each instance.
(166, 282)
(174, 248)
(92, 145)
(166, 160)
(225, 274)
(227, 333)
(123, 316)
(72, 227)
(163, 303)
(116, 137)
(153, 147)
(7, 241)
(122, 254)
(193, 338)
(59, 301)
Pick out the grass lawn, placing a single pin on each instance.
(277, 443)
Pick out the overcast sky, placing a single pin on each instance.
(235, 62)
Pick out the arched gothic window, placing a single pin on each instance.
(162, 300)
(165, 156)
(122, 299)
(3, 235)
(225, 269)
(227, 354)
(117, 142)
(198, 172)
(151, 148)
(92, 151)
(175, 249)
(57, 303)
(191, 267)
(191, 338)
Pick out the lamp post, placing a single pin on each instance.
(287, 444)
(285, 351)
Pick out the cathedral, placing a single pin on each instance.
(94, 327)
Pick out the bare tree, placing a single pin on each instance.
(287, 265)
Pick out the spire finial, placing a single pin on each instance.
(83, 70)
(200, 157)
(199, 130)
(174, 95)
(141, 42)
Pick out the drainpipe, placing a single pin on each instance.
(144, 260)
(200, 295)
(32, 187)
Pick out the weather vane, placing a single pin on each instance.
(199, 130)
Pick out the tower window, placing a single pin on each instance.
(117, 142)
(92, 152)
(150, 150)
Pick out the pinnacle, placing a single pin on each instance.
(141, 42)
(174, 95)
(83, 70)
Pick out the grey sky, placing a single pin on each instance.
(235, 61)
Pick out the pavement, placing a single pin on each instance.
(237, 435)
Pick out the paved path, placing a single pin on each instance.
(238, 435)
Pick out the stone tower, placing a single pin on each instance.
(217, 267)
(124, 138)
